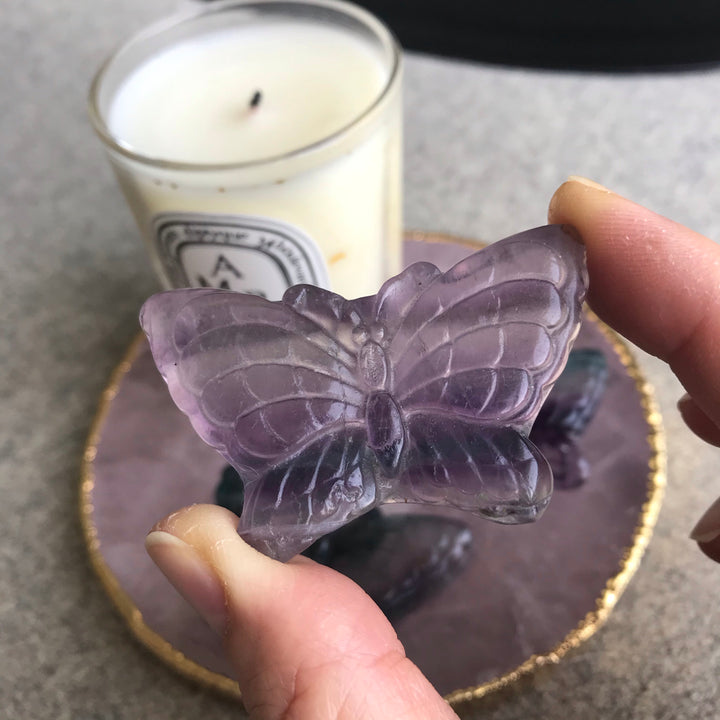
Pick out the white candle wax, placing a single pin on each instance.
(301, 185)
(192, 101)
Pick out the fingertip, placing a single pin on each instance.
(640, 264)
(587, 183)
(185, 521)
(190, 575)
(698, 421)
(576, 193)
(211, 531)
(556, 201)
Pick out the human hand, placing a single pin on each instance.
(658, 284)
(307, 643)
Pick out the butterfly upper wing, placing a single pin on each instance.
(258, 379)
(486, 339)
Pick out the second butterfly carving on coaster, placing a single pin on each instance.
(425, 392)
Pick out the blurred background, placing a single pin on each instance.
(616, 35)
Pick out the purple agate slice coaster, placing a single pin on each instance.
(425, 392)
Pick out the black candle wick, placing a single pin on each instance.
(256, 99)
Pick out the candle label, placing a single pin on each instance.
(250, 254)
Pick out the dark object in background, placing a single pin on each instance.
(416, 556)
(230, 491)
(399, 560)
(567, 412)
(605, 35)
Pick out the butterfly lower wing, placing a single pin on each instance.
(494, 472)
(487, 338)
(323, 487)
(257, 379)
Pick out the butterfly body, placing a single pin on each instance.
(386, 433)
(383, 417)
(424, 392)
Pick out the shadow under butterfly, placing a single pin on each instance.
(400, 560)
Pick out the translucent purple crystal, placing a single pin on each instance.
(425, 392)
(398, 560)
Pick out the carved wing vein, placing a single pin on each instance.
(344, 381)
(333, 349)
(294, 398)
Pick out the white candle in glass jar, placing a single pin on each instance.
(260, 149)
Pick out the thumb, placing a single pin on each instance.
(305, 642)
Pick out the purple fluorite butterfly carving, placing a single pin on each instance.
(425, 392)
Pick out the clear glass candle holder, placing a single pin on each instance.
(259, 145)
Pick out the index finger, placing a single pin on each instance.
(653, 280)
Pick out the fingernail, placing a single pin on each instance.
(589, 183)
(563, 194)
(708, 527)
(190, 575)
